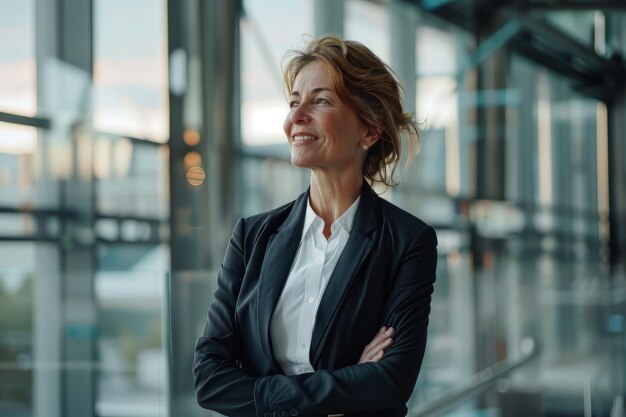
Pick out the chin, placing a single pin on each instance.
(300, 162)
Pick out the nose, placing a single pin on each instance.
(300, 114)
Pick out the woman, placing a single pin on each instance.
(322, 304)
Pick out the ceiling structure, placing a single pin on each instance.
(524, 27)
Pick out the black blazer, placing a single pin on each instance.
(384, 276)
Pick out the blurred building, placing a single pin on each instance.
(133, 134)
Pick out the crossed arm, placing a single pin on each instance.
(383, 378)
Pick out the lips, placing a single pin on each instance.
(303, 137)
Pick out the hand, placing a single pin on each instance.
(375, 350)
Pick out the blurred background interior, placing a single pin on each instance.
(133, 134)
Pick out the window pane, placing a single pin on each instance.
(268, 30)
(132, 178)
(258, 184)
(18, 146)
(130, 68)
(368, 23)
(129, 287)
(579, 25)
(24, 321)
(17, 57)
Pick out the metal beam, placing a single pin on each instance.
(25, 120)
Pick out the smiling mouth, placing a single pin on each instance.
(303, 138)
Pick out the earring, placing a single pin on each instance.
(364, 147)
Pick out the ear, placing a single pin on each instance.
(371, 136)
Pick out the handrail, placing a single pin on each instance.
(477, 384)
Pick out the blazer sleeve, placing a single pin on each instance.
(386, 384)
(220, 383)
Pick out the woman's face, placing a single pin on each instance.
(323, 132)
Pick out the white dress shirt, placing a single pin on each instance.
(291, 327)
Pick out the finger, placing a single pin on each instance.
(370, 351)
(376, 347)
(378, 340)
(382, 346)
(377, 357)
(383, 333)
(381, 341)
(379, 335)
(374, 357)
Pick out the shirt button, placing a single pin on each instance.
(311, 299)
(303, 346)
(293, 412)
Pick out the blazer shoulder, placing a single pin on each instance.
(254, 224)
(404, 223)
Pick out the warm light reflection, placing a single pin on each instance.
(191, 137)
(192, 159)
(454, 258)
(544, 138)
(602, 166)
(195, 176)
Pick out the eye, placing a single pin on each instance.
(293, 104)
(321, 100)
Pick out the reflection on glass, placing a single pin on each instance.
(16, 328)
(436, 52)
(441, 108)
(129, 286)
(130, 68)
(132, 178)
(368, 23)
(576, 24)
(18, 145)
(258, 181)
(17, 60)
(268, 29)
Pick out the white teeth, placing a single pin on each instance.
(303, 138)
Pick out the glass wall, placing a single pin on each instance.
(512, 173)
(84, 212)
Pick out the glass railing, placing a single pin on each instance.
(478, 384)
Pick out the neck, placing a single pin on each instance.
(331, 196)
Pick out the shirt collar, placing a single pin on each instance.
(345, 221)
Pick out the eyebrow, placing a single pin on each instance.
(313, 91)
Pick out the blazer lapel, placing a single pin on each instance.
(355, 252)
(279, 255)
